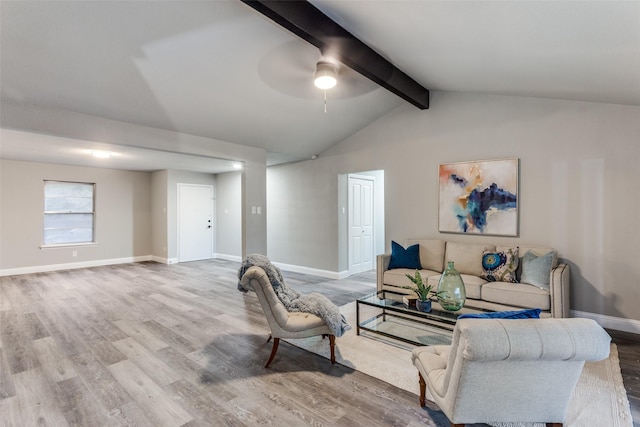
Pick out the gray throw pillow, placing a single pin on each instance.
(537, 269)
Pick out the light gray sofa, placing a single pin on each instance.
(483, 294)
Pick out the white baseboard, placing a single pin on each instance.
(610, 322)
(335, 275)
(72, 265)
(163, 260)
(226, 257)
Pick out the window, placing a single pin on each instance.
(68, 212)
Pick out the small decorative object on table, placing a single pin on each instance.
(409, 301)
(423, 303)
(451, 293)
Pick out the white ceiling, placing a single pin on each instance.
(220, 70)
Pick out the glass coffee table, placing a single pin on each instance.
(384, 313)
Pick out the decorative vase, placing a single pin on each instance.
(423, 305)
(451, 292)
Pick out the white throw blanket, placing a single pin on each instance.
(293, 300)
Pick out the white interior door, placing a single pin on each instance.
(195, 222)
(360, 224)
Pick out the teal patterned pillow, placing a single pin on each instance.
(500, 266)
(537, 269)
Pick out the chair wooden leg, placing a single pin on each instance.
(276, 342)
(332, 344)
(423, 390)
(456, 425)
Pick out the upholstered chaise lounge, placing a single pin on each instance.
(284, 324)
(499, 370)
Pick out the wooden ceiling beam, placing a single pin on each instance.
(309, 23)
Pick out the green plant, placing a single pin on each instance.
(420, 289)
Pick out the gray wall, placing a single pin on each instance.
(123, 205)
(159, 224)
(578, 178)
(229, 215)
(83, 127)
(136, 214)
(254, 191)
(303, 214)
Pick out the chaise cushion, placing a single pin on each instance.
(299, 321)
(517, 295)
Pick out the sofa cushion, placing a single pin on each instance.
(431, 253)
(500, 266)
(516, 295)
(529, 313)
(472, 284)
(536, 270)
(538, 250)
(404, 258)
(467, 258)
(397, 277)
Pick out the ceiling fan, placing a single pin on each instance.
(292, 67)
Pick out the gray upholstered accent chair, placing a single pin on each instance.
(284, 324)
(505, 370)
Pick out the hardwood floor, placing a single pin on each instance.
(148, 344)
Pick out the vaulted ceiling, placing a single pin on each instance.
(220, 70)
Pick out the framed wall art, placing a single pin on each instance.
(479, 197)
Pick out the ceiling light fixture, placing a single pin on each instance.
(101, 154)
(326, 75)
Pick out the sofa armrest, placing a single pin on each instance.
(559, 289)
(382, 265)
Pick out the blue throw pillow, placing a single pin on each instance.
(536, 270)
(532, 313)
(405, 258)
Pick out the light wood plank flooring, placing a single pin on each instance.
(148, 344)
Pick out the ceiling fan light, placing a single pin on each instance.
(326, 75)
(100, 154)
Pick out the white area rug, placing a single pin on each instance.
(599, 399)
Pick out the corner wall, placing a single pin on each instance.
(229, 216)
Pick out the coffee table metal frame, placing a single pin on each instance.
(439, 320)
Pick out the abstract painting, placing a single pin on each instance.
(479, 197)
